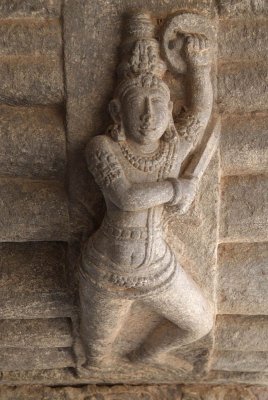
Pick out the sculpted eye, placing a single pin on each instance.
(156, 100)
(134, 101)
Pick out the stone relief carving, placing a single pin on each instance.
(138, 167)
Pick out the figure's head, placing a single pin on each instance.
(141, 108)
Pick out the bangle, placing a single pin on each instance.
(177, 192)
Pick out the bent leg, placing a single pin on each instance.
(102, 316)
(189, 316)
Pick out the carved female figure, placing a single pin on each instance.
(137, 166)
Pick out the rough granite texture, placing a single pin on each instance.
(32, 142)
(172, 392)
(57, 63)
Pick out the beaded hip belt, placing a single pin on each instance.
(131, 233)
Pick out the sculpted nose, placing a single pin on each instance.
(147, 115)
(148, 106)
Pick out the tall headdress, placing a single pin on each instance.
(141, 64)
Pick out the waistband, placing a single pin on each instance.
(128, 233)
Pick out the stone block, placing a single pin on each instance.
(30, 8)
(250, 361)
(241, 333)
(244, 209)
(36, 333)
(32, 142)
(243, 40)
(31, 80)
(242, 87)
(33, 282)
(194, 240)
(33, 210)
(30, 37)
(244, 144)
(242, 279)
(39, 377)
(236, 378)
(243, 8)
(223, 393)
(92, 392)
(12, 359)
(161, 392)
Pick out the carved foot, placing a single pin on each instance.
(166, 360)
(102, 364)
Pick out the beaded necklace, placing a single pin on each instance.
(148, 163)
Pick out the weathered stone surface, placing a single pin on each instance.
(244, 209)
(30, 8)
(236, 378)
(194, 241)
(242, 8)
(32, 142)
(242, 279)
(249, 361)
(31, 80)
(30, 37)
(171, 392)
(241, 333)
(33, 283)
(224, 393)
(243, 40)
(244, 144)
(90, 81)
(12, 359)
(242, 87)
(243, 151)
(32, 210)
(36, 333)
(92, 393)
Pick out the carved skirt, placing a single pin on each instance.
(133, 282)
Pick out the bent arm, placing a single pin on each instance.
(110, 177)
(201, 93)
(192, 123)
(139, 196)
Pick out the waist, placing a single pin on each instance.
(119, 233)
(155, 275)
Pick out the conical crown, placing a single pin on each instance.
(140, 50)
(141, 64)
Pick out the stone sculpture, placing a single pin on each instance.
(137, 165)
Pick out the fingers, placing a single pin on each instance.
(190, 43)
(197, 42)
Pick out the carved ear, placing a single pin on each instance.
(115, 110)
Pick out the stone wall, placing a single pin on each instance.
(170, 392)
(58, 68)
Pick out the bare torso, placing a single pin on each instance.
(124, 236)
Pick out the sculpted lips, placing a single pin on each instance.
(145, 130)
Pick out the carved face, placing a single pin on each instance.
(145, 114)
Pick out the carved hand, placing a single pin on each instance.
(197, 50)
(184, 193)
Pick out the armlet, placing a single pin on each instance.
(105, 168)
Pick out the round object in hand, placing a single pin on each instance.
(175, 33)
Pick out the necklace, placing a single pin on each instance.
(146, 163)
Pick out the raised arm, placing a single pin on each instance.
(192, 123)
(110, 177)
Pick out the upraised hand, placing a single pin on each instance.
(197, 50)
